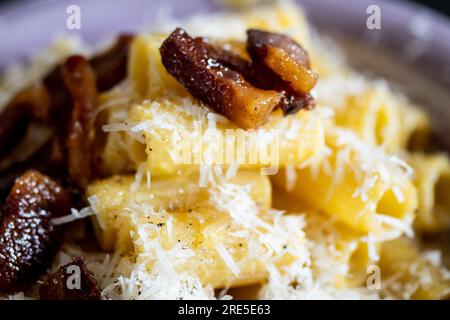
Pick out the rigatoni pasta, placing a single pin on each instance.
(410, 273)
(340, 192)
(179, 133)
(357, 185)
(223, 245)
(220, 172)
(378, 115)
(340, 255)
(432, 178)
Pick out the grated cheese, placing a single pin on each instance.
(228, 259)
(291, 177)
(78, 214)
(153, 274)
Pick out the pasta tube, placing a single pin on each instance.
(409, 273)
(224, 235)
(357, 185)
(432, 179)
(378, 115)
(339, 255)
(172, 131)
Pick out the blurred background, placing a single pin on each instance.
(439, 5)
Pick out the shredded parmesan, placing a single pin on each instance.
(228, 259)
(77, 214)
(320, 250)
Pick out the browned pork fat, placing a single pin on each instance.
(28, 104)
(72, 281)
(79, 79)
(284, 57)
(8, 177)
(293, 103)
(51, 101)
(65, 100)
(230, 84)
(225, 57)
(110, 67)
(209, 80)
(282, 64)
(28, 238)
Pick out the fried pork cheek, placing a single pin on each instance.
(30, 103)
(209, 80)
(64, 101)
(244, 91)
(72, 281)
(284, 57)
(281, 63)
(28, 238)
(110, 67)
(79, 79)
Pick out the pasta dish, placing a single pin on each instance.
(246, 160)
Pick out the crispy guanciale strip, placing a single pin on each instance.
(28, 238)
(110, 67)
(207, 79)
(293, 103)
(7, 177)
(51, 101)
(284, 57)
(80, 81)
(225, 57)
(30, 103)
(282, 64)
(72, 281)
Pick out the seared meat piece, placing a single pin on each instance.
(221, 88)
(52, 101)
(227, 58)
(29, 103)
(72, 281)
(293, 103)
(80, 81)
(110, 67)
(64, 100)
(282, 64)
(284, 57)
(28, 238)
(229, 83)
(35, 162)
